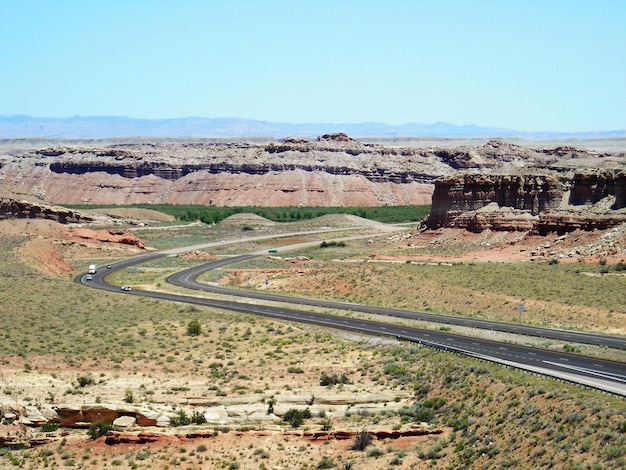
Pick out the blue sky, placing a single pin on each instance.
(526, 65)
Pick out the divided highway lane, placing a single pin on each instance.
(604, 375)
(188, 279)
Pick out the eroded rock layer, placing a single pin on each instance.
(546, 201)
(332, 170)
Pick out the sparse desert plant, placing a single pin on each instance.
(180, 419)
(270, 405)
(333, 379)
(296, 417)
(49, 426)
(194, 328)
(84, 380)
(362, 440)
(99, 429)
(375, 452)
(326, 462)
(129, 396)
(198, 418)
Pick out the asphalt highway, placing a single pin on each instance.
(601, 374)
(188, 279)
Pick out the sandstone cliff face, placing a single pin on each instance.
(332, 170)
(590, 187)
(543, 202)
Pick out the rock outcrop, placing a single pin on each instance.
(111, 236)
(17, 209)
(541, 201)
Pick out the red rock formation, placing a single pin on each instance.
(109, 236)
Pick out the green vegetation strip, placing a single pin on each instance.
(214, 214)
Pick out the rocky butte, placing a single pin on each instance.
(496, 185)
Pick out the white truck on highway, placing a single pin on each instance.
(92, 269)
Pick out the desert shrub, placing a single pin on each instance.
(264, 454)
(421, 390)
(85, 380)
(362, 440)
(375, 452)
(421, 411)
(295, 370)
(129, 397)
(270, 405)
(194, 328)
(198, 418)
(459, 425)
(296, 417)
(333, 379)
(99, 429)
(326, 462)
(326, 244)
(50, 426)
(327, 424)
(614, 452)
(393, 369)
(180, 419)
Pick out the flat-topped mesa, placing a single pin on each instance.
(541, 202)
(333, 169)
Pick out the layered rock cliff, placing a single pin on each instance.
(333, 170)
(550, 200)
(495, 185)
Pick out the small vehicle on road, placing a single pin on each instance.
(88, 277)
(125, 288)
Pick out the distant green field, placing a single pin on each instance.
(213, 214)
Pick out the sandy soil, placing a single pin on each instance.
(268, 447)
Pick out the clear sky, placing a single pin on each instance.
(521, 64)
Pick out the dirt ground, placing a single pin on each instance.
(272, 446)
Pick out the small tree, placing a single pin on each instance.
(194, 328)
(296, 417)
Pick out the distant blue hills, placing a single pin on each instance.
(104, 127)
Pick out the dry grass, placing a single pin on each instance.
(57, 334)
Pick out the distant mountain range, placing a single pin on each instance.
(103, 127)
